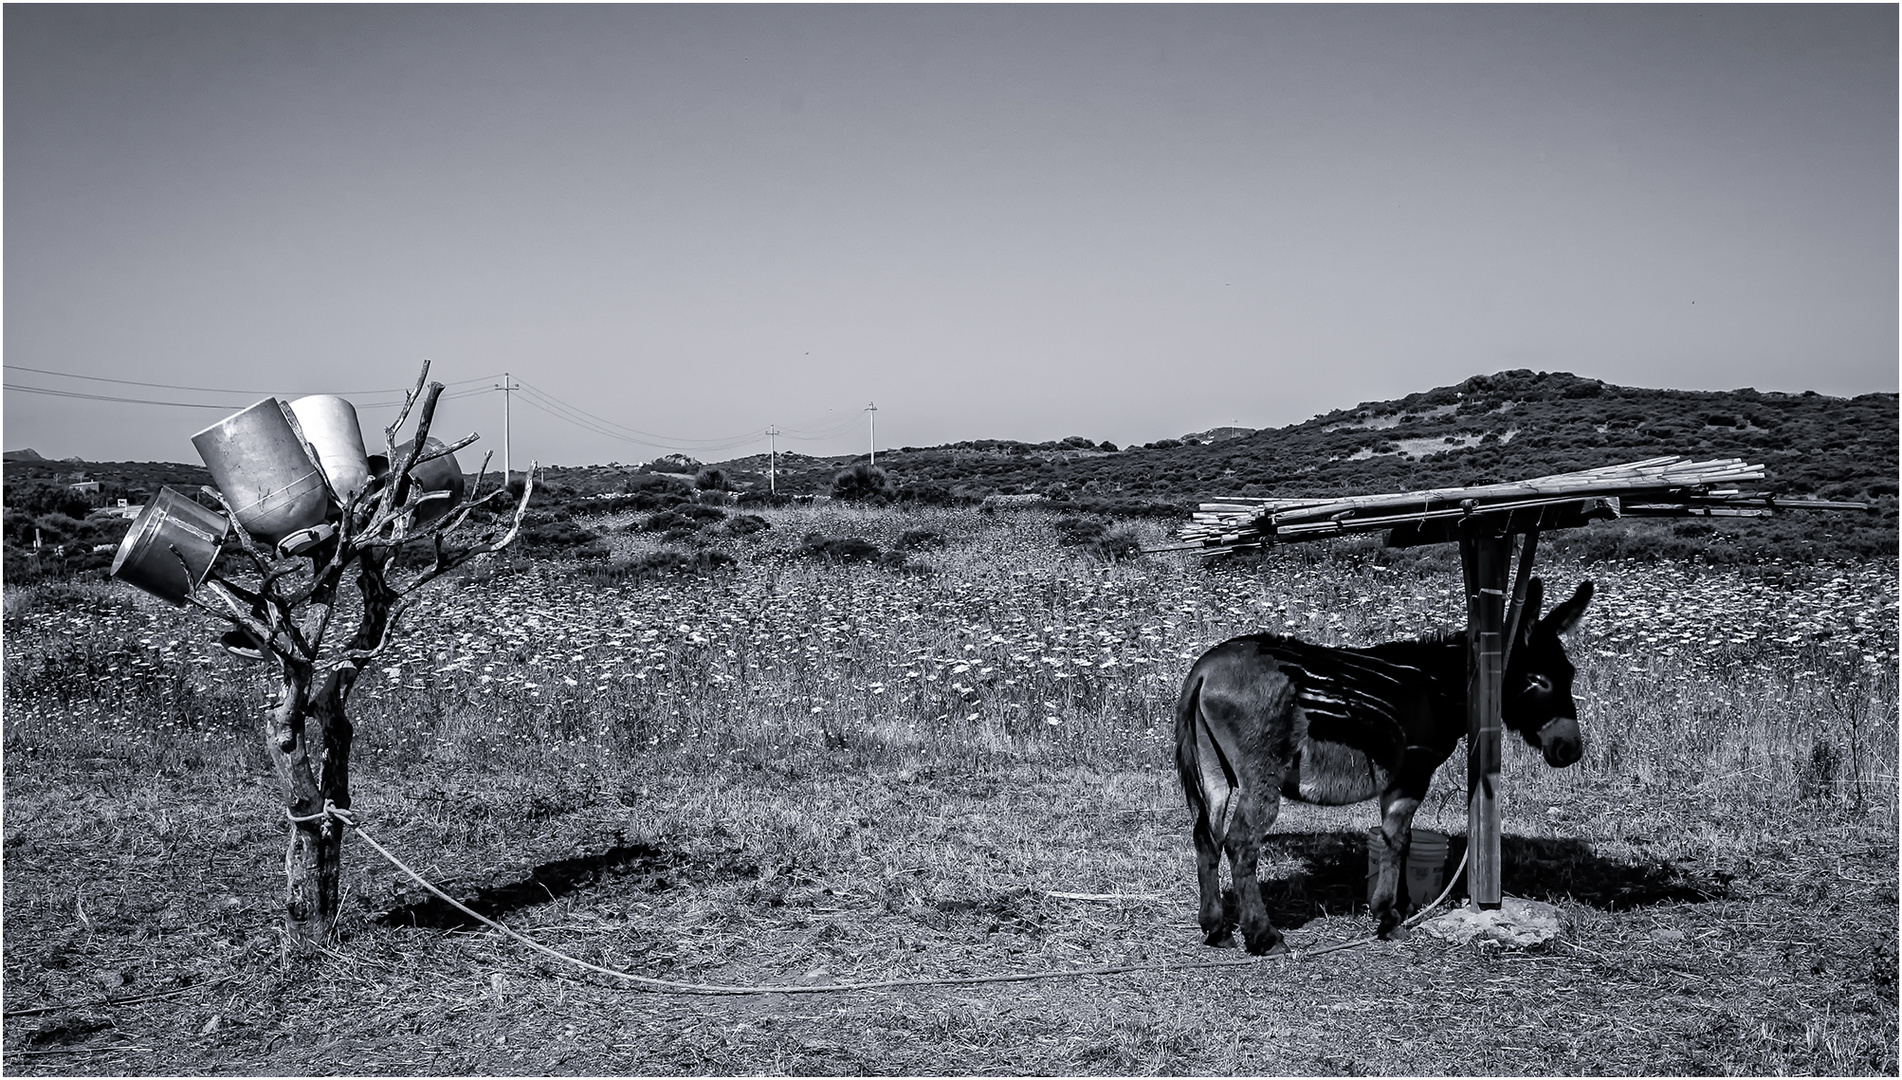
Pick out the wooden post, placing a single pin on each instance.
(1485, 560)
(1521, 578)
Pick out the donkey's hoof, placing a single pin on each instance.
(1220, 939)
(1268, 946)
(1396, 932)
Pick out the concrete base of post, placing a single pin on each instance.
(1517, 923)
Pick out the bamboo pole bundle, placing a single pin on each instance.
(1662, 485)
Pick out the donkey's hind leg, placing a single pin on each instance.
(1218, 927)
(1259, 805)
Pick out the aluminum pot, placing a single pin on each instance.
(329, 425)
(145, 558)
(435, 486)
(267, 476)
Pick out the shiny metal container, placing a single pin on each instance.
(258, 462)
(435, 486)
(329, 424)
(146, 557)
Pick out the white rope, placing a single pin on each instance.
(672, 987)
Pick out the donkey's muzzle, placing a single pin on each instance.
(1561, 742)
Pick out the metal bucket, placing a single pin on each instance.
(170, 520)
(267, 476)
(436, 485)
(329, 424)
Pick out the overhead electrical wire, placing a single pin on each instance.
(816, 430)
(647, 438)
(106, 397)
(221, 389)
(206, 404)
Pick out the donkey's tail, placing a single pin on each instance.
(1204, 765)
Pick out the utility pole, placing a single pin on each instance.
(772, 459)
(871, 434)
(508, 388)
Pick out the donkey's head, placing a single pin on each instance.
(1537, 695)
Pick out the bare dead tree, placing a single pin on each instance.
(285, 607)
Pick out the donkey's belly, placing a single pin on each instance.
(1331, 774)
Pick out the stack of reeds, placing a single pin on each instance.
(1655, 486)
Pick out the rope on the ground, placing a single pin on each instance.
(669, 986)
(1451, 883)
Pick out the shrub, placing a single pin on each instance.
(764, 498)
(745, 525)
(557, 536)
(712, 480)
(57, 527)
(659, 564)
(928, 494)
(674, 463)
(702, 513)
(845, 549)
(1075, 532)
(1119, 546)
(862, 483)
(918, 540)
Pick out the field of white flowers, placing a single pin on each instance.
(865, 770)
(1000, 642)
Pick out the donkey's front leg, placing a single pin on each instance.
(1396, 824)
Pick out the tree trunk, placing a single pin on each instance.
(313, 863)
(314, 873)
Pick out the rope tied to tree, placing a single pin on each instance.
(330, 810)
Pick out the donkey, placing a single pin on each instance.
(1265, 716)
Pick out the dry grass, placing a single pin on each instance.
(1730, 898)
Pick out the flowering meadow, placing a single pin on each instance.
(998, 644)
(951, 763)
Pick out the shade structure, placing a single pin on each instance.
(1483, 519)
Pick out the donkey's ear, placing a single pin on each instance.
(1529, 615)
(1566, 615)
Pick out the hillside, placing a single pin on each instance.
(1489, 428)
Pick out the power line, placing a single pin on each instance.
(104, 397)
(202, 404)
(820, 430)
(214, 389)
(633, 434)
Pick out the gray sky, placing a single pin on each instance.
(996, 222)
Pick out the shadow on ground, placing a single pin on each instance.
(645, 867)
(1307, 875)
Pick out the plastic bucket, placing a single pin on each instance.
(329, 424)
(1422, 867)
(267, 476)
(1426, 866)
(170, 520)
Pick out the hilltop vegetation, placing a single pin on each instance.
(1489, 428)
